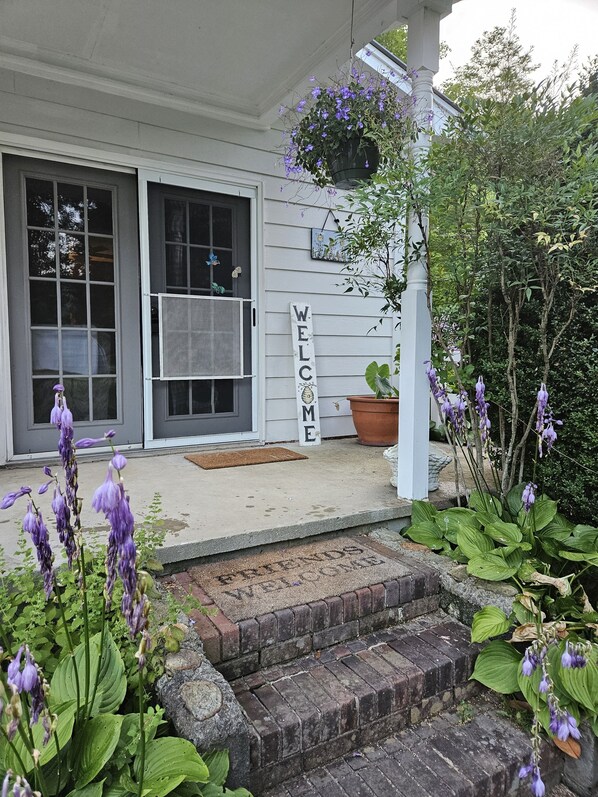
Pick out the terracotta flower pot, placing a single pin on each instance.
(376, 420)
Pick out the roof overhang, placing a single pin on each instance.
(228, 60)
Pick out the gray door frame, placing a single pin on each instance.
(128, 424)
(214, 186)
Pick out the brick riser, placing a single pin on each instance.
(442, 758)
(315, 709)
(239, 648)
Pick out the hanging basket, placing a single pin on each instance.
(356, 163)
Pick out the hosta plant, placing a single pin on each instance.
(77, 732)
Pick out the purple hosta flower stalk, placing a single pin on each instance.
(545, 423)
(20, 787)
(441, 396)
(66, 449)
(28, 680)
(575, 655)
(121, 556)
(482, 407)
(529, 495)
(63, 525)
(33, 524)
(532, 768)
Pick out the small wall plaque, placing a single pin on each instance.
(325, 246)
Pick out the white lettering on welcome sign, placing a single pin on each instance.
(308, 410)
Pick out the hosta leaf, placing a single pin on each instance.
(507, 533)
(112, 683)
(91, 790)
(543, 511)
(217, 764)
(497, 666)
(98, 741)
(484, 502)
(451, 520)
(472, 542)
(578, 556)
(424, 536)
(422, 511)
(558, 529)
(113, 680)
(583, 538)
(488, 622)
(64, 730)
(581, 683)
(490, 567)
(514, 502)
(168, 758)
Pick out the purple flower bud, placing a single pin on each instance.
(573, 729)
(118, 461)
(44, 487)
(29, 675)
(537, 786)
(544, 684)
(526, 770)
(48, 470)
(5, 784)
(88, 442)
(109, 434)
(566, 658)
(107, 496)
(58, 388)
(530, 662)
(10, 498)
(13, 672)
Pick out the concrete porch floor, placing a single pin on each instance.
(342, 485)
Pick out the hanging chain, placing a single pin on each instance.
(351, 34)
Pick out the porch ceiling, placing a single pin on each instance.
(235, 60)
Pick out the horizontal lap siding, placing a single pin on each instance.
(346, 337)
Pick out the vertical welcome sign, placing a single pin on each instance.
(308, 410)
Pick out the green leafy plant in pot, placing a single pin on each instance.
(342, 132)
(376, 417)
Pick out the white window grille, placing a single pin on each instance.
(201, 337)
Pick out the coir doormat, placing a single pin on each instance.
(248, 456)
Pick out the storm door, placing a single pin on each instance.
(201, 312)
(73, 287)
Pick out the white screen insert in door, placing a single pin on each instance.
(201, 337)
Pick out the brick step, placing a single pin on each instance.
(258, 618)
(308, 712)
(443, 757)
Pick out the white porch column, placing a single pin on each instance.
(414, 415)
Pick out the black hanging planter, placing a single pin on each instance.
(357, 162)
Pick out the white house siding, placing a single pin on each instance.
(54, 112)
